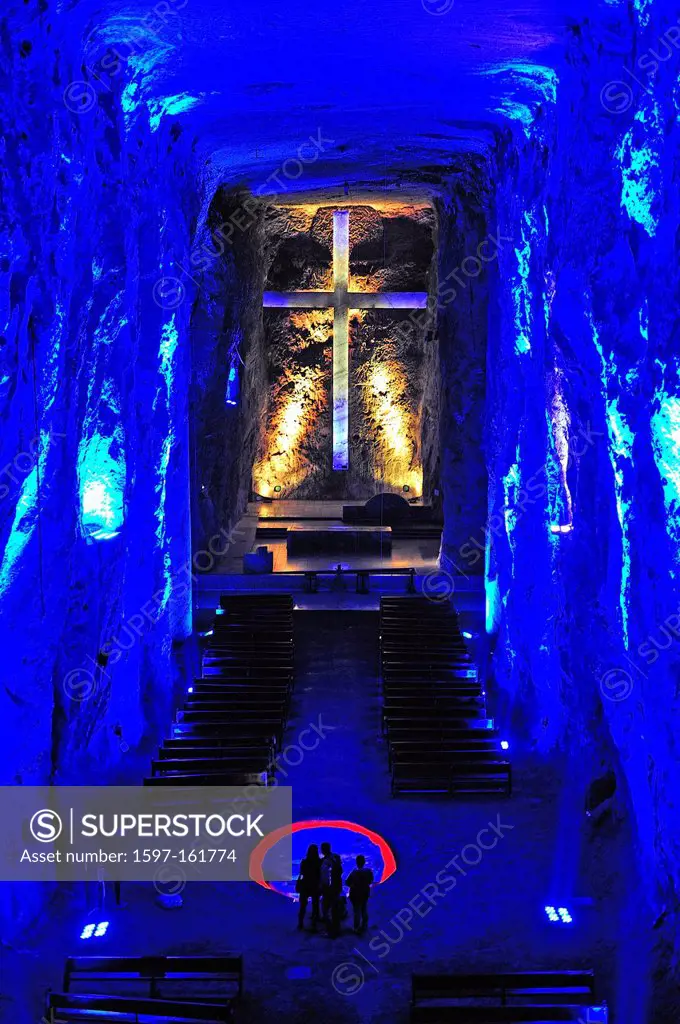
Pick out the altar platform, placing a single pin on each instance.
(333, 542)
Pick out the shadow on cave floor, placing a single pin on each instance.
(492, 919)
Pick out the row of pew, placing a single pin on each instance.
(232, 722)
(206, 989)
(439, 736)
(153, 989)
(530, 997)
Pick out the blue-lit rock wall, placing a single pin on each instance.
(468, 261)
(229, 366)
(583, 422)
(94, 371)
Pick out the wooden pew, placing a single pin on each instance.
(156, 975)
(106, 1009)
(238, 779)
(507, 998)
(185, 750)
(459, 776)
(208, 766)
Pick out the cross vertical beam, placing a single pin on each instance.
(340, 340)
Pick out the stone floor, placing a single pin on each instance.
(493, 918)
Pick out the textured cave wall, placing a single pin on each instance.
(391, 250)
(227, 336)
(468, 258)
(584, 412)
(94, 525)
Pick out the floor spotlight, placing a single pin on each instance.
(95, 930)
(558, 915)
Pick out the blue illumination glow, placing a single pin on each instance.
(522, 296)
(526, 87)
(558, 915)
(644, 320)
(638, 158)
(165, 394)
(505, 745)
(25, 521)
(621, 440)
(101, 475)
(511, 488)
(468, 636)
(233, 385)
(665, 429)
(95, 931)
(171, 105)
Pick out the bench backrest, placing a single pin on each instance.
(429, 986)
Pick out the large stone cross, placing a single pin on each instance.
(341, 299)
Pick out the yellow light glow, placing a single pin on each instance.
(300, 397)
(388, 410)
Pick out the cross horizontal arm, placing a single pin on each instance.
(387, 300)
(298, 300)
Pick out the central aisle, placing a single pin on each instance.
(336, 692)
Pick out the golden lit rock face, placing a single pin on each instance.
(391, 249)
(298, 420)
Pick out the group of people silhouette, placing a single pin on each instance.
(321, 881)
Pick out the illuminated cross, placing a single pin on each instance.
(341, 299)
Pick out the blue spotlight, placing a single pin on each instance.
(468, 636)
(233, 386)
(558, 915)
(209, 632)
(597, 1015)
(505, 745)
(95, 930)
(190, 690)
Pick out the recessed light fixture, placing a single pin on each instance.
(277, 488)
(505, 745)
(559, 915)
(95, 931)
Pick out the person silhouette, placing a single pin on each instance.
(309, 885)
(359, 882)
(331, 889)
